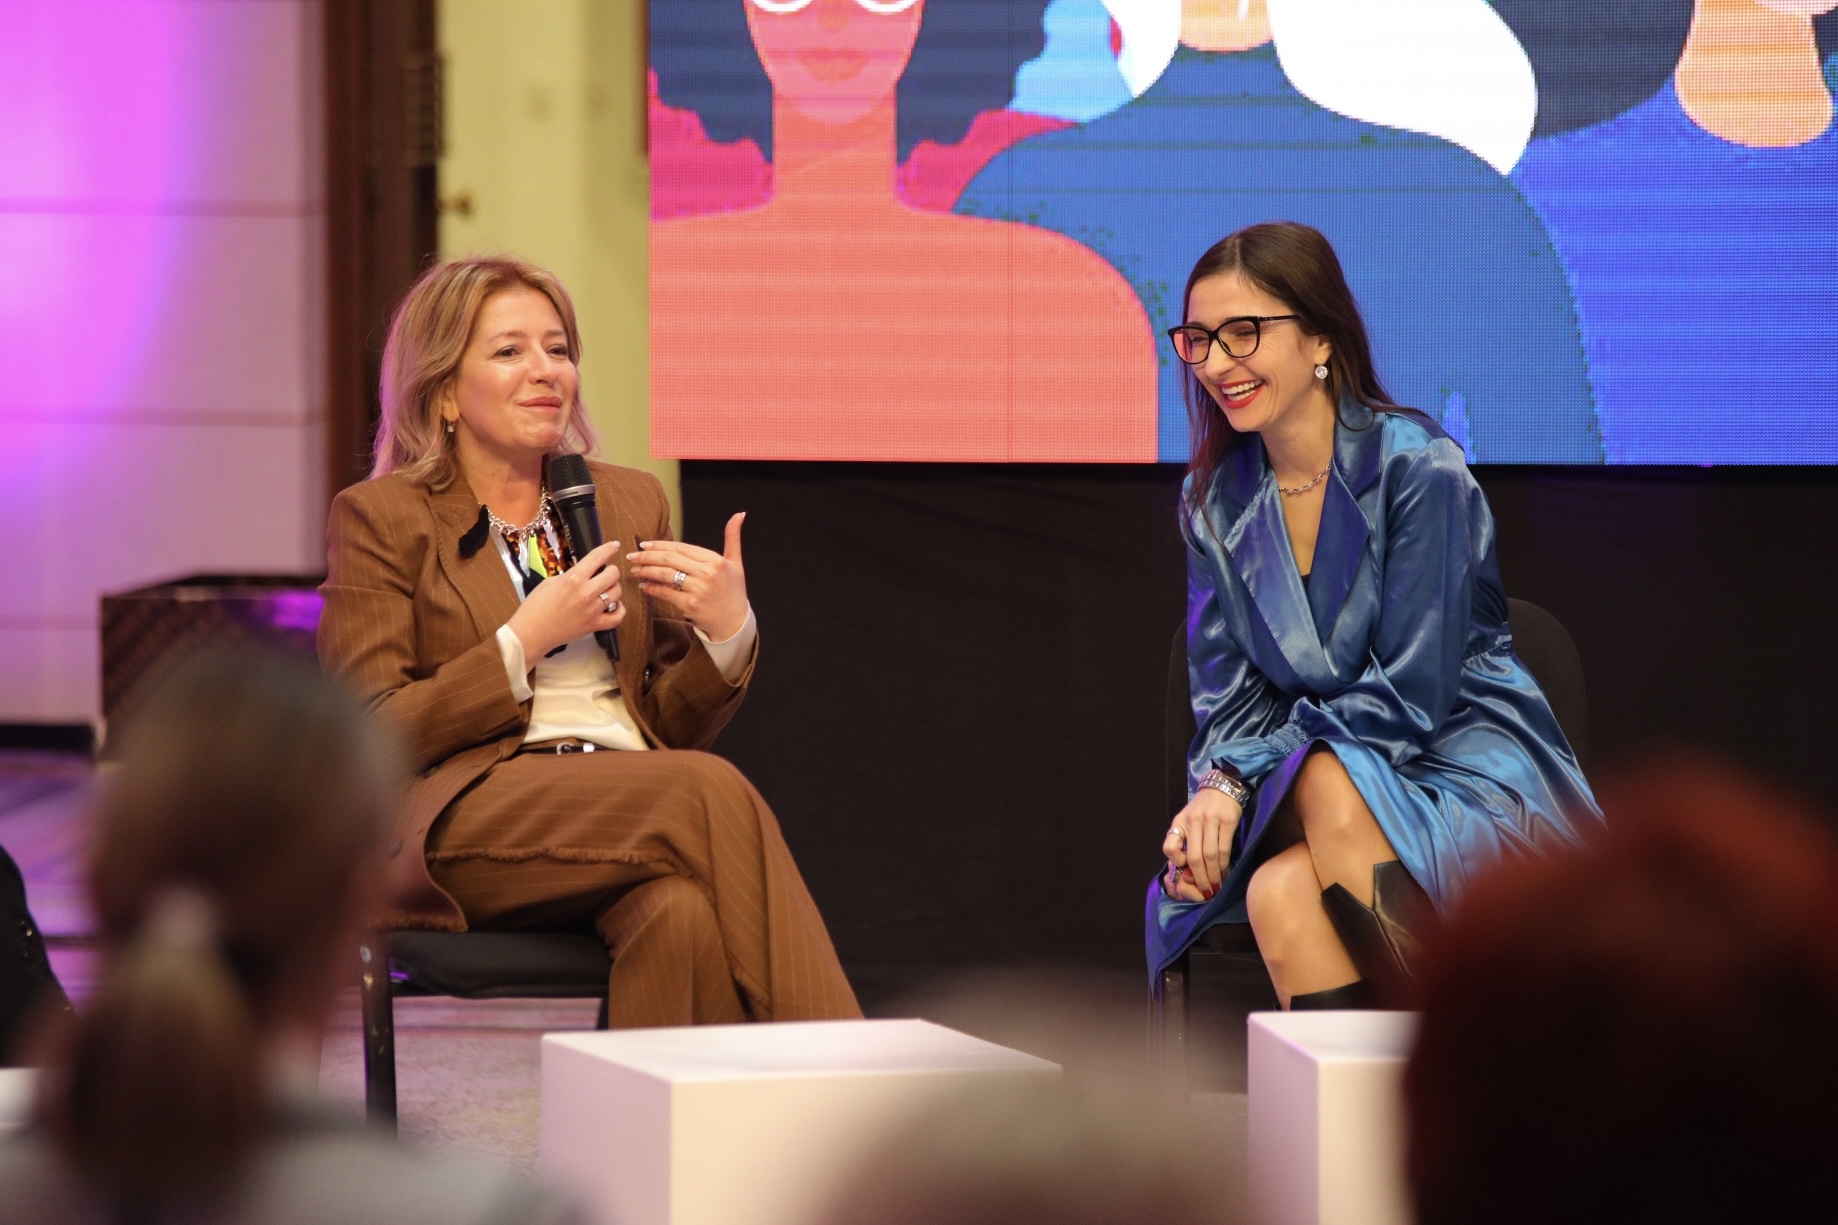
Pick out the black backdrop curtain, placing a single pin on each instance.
(958, 713)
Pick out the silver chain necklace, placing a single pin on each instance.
(542, 517)
(1319, 477)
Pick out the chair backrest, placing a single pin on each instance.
(1540, 641)
(1548, 652)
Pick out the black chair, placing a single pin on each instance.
(467, 966)
(1542, 644)
(1548, 652)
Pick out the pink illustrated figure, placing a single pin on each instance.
(837, 322)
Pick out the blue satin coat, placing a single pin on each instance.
(1396, 655)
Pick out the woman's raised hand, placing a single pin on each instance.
(1198, 846)
(571, 604)
(711, 595)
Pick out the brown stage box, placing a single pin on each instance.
(143, 629)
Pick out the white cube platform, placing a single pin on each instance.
(1325, 1120)
(16, 1088)
(744, 1124)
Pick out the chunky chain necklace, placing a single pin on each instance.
(517, 533)
(1319, 477)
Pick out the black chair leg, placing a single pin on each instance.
(1168, 1021)
(378, 996)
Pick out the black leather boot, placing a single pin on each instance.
(1355, 995)
(1383, 939)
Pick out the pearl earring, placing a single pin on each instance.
(1320, 373)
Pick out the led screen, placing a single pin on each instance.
(1579, 232)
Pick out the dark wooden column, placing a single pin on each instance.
(383, 141)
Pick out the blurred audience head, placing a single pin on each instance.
(226, 880)
(1642, 1029)
(1052, 1154)
(428, 336)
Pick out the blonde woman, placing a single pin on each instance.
(555, 788)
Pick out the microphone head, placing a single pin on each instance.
(569, 478)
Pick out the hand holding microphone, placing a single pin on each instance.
(571, 486)
(584, 599)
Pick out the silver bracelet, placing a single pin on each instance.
(1219, 780)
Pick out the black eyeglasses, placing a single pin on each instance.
(1239, 337)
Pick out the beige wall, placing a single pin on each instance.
(545, 114)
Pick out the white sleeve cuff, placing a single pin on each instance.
(511, 648)
(731, 655)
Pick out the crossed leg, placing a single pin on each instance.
(1341, 841)
(678, 863)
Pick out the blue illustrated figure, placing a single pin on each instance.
(1075, 77)
(1470, 314)
(1698, 231)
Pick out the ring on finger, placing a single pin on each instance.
(612, 606)
(1175, 829)
(680, 578)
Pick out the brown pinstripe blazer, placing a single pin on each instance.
(410, 624)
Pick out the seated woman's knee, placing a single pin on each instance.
(673, 901)
(1325, 798)
(1281, 887)
(706, 771)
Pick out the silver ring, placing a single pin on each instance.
(1175, 829)
(677, 582)
(611, 606)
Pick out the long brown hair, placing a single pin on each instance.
(428, 335)
(1296, 265)
(225, 880)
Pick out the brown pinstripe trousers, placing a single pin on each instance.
(677, 862)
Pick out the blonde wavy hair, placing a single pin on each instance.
(427, 340)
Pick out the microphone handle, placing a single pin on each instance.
(581, 524)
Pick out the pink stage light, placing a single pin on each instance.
(94, 157)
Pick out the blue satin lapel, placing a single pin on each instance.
(1258, 545)
(1339, 548)
(1346, 521)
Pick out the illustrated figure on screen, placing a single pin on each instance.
(839, 322)
(1695, 217)
(1076, 76)
(1252, 120)
(961, 99)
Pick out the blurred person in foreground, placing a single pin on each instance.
(1644, 1029)
(1090, 1152)
(228, 882)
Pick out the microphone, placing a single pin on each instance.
(571, 487)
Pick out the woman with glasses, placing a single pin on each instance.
(1367, 739)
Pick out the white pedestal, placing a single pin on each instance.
(16, 1088)
(743, 1124)
(1326, 1119)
